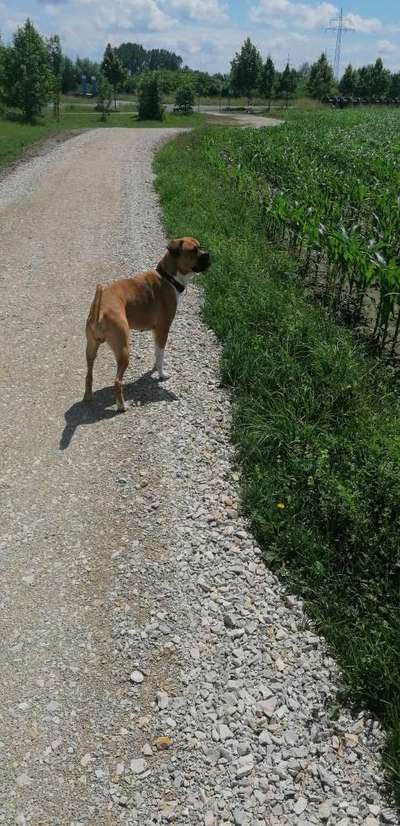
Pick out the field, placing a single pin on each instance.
(328, 188)
(316, 417)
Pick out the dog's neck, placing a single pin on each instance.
(178, 280)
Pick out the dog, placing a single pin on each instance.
(145, 301)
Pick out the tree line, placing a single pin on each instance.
(250, 75)
(34, 70)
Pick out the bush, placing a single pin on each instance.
(150, 107)
(184, 100)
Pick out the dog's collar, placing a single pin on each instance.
(175, 283)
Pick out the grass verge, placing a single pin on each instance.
(317, 429)
(15, 137)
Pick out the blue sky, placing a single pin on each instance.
(208, 32)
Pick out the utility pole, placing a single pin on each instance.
(340, 26)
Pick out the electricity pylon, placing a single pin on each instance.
(340, 26)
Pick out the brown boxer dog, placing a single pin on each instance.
(145, 301)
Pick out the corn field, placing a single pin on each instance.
(327, 186)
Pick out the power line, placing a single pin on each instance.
(340, 26)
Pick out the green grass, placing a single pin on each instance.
(89, 120)
(316, 426)
(16, 136)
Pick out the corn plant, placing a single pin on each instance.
(327, 186)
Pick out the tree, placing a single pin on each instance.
(365, 82)
(394, 88)
(55, 58)
(1, 65)
(104, 97)
(349, 81)
(287, 83)
(304, 71)
(150, 107)
(113, 70)
(89, 68)
(138, 60)
(373, 80)
(184, 99)
(267, 80)
(133, 57)
(245, 69)
(69, 76)
(163, 59)
(26, 75)
(380, 79)
(321, 80)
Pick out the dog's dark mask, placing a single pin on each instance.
(203, 262)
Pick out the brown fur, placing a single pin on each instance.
(145, 301)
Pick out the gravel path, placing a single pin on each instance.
(241, 119)
(134, 604)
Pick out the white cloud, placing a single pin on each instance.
(365, 25)
(85, 26)
(279, 13)
(10, 20)
(210, 10)
(386, 46)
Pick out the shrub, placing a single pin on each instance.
(150, 107)
(184, 100)
(104, 97)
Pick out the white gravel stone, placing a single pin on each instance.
(300, 806)
(138, 766)
(162, 700)
(23, 780)
(224, 732)
(137, 677)
(325, 810)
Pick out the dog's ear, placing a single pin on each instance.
(174, 247)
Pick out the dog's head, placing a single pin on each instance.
(184, 256)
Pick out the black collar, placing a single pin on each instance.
(164, 274)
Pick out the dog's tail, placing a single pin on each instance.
(94, 314)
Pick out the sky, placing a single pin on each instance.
(207, 33)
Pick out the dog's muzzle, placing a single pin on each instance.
(203, 262)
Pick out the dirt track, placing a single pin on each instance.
(64, 226)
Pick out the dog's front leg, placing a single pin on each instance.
(160, 340)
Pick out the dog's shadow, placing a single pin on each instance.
(146, 390)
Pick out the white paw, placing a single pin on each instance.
(121, 407)
(163, 376)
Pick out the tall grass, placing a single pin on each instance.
(317, 429)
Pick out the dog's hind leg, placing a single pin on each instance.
(92, 346)
(118, 339)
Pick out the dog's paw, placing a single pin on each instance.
(163, 376)
(121, 407)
